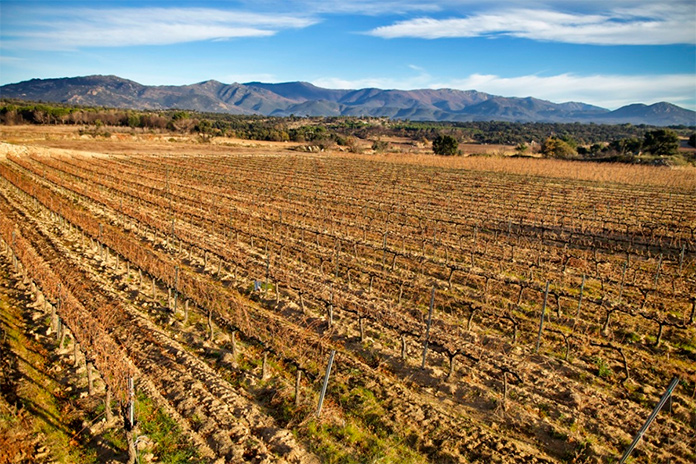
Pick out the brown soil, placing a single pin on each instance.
(560, 410)
(46, 414)
(231, 427)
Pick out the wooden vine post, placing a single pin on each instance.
(107, 405)
(505, 390)
(61, 339)
(330, 310)
(210, 324)
(76, 350)
(233, 342)
(54, 316)
(90, 378)
(298, 377)
(541, 319)
(176, 289)
(427, 330)
(264, 366)
(577, 313)
(657, 272)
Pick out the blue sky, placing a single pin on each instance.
(607, 53)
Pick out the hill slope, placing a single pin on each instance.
(305, 99)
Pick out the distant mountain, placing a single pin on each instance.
(663, 114)
(300, 91)
(305, 99)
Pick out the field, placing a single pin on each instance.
(481, 309)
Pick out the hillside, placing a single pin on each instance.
(305, 99)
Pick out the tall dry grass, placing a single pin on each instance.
(679, 178)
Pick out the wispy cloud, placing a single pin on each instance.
(357, 7)
(608, 91)
(422, 80)
(668, 24)
(10, 59)
(81, 28)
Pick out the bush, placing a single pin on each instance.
(661, 142)
(380, 146)
(554, 147)
(445, 145)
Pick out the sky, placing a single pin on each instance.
(608, 53)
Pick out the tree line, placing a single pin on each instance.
(658, 143)
(619, 142)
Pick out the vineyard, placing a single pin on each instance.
(472, 315)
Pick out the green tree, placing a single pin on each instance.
(692, 140)
(596, 148)
(553, 147)
(661, 142)
(521, 149)
(133, 120)
(445, 145)
(629, 146)
(203, 126)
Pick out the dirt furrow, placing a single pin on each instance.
(232, 425)
(451, 435)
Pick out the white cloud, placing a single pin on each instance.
(422, 80)
(371, 7)
(668, 24)
(363, 83)
(358, 7)
(10, 59)
(607, 91)
(79, 28)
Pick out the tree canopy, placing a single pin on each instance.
(554, 147)
(661, 142)
(445, 145)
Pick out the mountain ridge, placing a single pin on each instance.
(305, 99)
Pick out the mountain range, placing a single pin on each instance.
(305, 99)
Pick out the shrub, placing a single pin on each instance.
(554, 147)
(445, 145)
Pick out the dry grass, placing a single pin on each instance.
(683, 178)
(495, 157)
(131, 142)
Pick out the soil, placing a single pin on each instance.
(46, 414)
(557, 411)
(189, 389)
